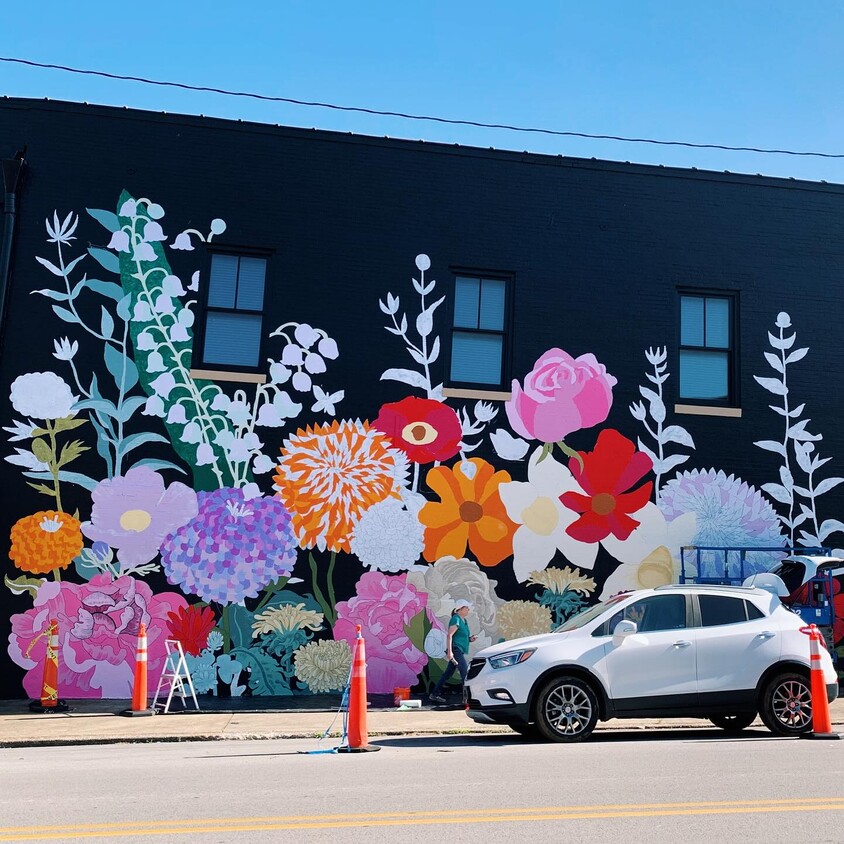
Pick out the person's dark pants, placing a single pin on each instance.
(461, 665)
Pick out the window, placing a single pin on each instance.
(658, 612)
(753, 612)
(707, 348)
(719, 609)
(234, 311)
(478, 337)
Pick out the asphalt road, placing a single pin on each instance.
(690, 786)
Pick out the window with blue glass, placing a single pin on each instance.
(234, 311)
(479, 333)
(707, 348)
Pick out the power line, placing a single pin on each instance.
(406, 116)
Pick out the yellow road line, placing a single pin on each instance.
(422, 819)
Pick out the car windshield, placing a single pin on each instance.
(577, 621)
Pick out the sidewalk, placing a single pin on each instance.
(97, 722)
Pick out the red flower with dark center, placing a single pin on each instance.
(424, 429)
(606, 475)
(191, 626)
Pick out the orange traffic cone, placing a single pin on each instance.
(821, 720)
(139, 687)
(358, 740)
(50, 684)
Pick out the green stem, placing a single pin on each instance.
(227, 634)
(57, 574)
(326, 609)
(277, 586)
(570, 452)
(331, 597)
(54, 465)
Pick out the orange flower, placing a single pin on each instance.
(329, 474)
(45, 541)
(470, 512)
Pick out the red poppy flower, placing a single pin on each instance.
(424, 429)
(191, 626)
(607, 474)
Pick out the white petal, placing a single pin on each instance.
(531, 552)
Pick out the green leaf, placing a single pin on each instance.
(240, 625)
(42, 451)
(70, 451)
(47, 490)
(105, 288)
(135, 440)
(107, 219)
(106, 323)
(264, 675)
(121, 367)
(68, 423)
(100, 405)
(65, 314)
(24, 584)
(129, 406)
(417, 629)
(69, 477)
(124, 307)
(152, 463)
(107, 260)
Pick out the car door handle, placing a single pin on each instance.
(766, 634)
(681, 644)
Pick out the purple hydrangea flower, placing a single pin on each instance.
(730, 513)
(232, 549)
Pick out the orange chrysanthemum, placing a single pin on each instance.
(470, 512)
(45, 541)
(329, 474)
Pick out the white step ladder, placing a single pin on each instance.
(176, 674)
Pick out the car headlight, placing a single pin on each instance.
(512, 658)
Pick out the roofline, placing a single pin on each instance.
(437, 147)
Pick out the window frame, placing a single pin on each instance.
(203, 308)
(732, 350)
(505, 333)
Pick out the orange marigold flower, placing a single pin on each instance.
(45, 541)
(470, 512)
(329, 474)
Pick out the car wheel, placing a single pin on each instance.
(787, 705)
(734, 723)
(530, 731)
(566, 710)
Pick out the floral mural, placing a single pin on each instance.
(260, 526)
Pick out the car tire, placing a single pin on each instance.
(566, 710)
(733, 723)
(786, 705)
(530, 731)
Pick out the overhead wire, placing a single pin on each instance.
(409, 116)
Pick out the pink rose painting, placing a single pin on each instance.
(98, 635)
(561, 395)
(383, 606)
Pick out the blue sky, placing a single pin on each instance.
(764, 73)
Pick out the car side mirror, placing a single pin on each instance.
(622, 630)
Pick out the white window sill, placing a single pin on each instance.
(705, 410)
(488, 395)
(223, 375)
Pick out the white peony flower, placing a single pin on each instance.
(387, 537)
(43, 395)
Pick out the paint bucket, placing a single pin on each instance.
(400, 695)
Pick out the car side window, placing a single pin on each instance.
(753, 612)
(657, 612)
(716, 610)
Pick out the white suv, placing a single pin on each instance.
(724, 653)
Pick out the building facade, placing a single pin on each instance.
(267, 384)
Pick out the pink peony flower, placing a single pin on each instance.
(383, 606)
(561, 395)
(98, 635)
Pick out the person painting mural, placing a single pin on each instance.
(456, 648)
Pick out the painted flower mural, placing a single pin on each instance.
(383, 606)
(561, 395)
(523, 618)
(98, 634)
(329, 474)
(191, 626)
(232, 549)
(424, 429)
(324, 666)
(134, 513)
(45, 541)
(387, 537)
(469, 514)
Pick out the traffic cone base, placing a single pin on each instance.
(58, 706)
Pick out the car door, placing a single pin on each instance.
(736, 642)
(655, 667)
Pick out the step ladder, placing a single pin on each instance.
(174, 679)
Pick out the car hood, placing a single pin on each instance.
(524, 642)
